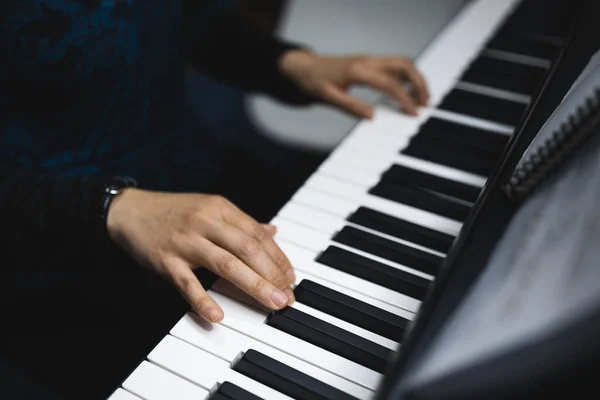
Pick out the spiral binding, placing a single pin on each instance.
(556, 150)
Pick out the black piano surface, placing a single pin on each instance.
(576, 23)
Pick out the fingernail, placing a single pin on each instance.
(290, 275)
(279, 298)
(214, 315)
(290, 296)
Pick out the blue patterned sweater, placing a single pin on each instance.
(95, 87)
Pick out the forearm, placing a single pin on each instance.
(49, 220)
(231, 48)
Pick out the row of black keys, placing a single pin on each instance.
(278, 376)
(475, 150)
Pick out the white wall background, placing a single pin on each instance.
(383, 27)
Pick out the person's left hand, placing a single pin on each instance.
(328, 78)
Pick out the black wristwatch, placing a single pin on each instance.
(112, 190)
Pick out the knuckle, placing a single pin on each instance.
(250, 247)
(183, 283)
(279, 280)
(356, 68)
(258, 232)
(281, 259)
(225, 265)
(219, 201)
(198, 303)
(258, 288)
(406, 61)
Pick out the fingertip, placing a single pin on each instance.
(214, 314)
(291, 297)
(271, 229)
(279, 299)
(290, 275)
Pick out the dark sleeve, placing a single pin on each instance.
(227, 46)
(48, 220)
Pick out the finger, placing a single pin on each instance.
(192, 291)
(257, 231)
(250, 251)
(392, 87)
(228, 266)
(346, 102)
(271, 229)
(408, 70)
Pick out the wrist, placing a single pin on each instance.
(293, 63)
(111, 211)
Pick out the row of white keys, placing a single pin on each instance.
(151, 382)
(329, 224)
(205, 369)
(228, 344)
(328, 202)
(243, 329)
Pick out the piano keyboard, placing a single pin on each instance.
(367, 233)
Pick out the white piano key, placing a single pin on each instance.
(474, 122)
(301, 275)
(494, 92)
(151, 382)
(227, 344)
(121, 394)
(330, 224)
(517, 58)
(328, 202)
(303, 260)
(205, 369)
(364, 333)
(453, 49)
(250, 322)
(396, 123)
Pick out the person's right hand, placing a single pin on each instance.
(175, 233)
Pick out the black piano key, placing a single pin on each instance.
(403, 175)
(285, 379)
(406, 255)
(525, 45)
(465, 136)
(422, 199)
(486, 107)
(390, 250)
(229, 391)
(453, 145)
(351, 310)
(375, 272)
(505, 75)
(479, 164)
(331, 338)
(401, 229)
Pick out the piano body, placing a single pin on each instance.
(392, 231)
